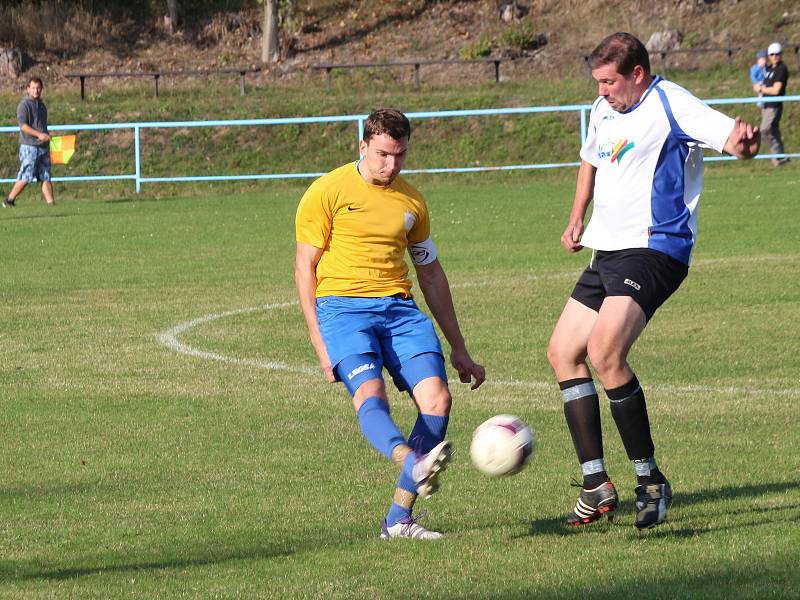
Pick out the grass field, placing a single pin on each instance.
(131, 469)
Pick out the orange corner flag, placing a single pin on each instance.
(62, 148)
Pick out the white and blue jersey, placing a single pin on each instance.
(650, 170)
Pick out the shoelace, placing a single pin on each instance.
(413, 521)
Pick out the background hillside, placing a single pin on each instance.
(548, 43)
(549, 37)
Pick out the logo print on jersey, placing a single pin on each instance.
(605, 149)
(419, 253)
(620, 148)
(633, 284)
(360, 369)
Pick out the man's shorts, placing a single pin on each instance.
(647, 276)
(393, 329)
(34, 163)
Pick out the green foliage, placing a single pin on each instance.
(690, 39)
(477, 49)
(486, 141)
(519, 37)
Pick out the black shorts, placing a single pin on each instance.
(647, 276)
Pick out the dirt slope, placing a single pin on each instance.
(360, 31)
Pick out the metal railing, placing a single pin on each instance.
(138, 178)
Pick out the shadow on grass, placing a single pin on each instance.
(774, 580)
(18, 217)
(28, 571)
(557, 526)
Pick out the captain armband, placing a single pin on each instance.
(423, 253)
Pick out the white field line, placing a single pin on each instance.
(169, 338)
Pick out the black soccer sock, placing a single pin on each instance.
(582, 411)
(629, 410)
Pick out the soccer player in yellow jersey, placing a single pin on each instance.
(354, 227)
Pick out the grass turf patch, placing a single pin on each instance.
(134, 470)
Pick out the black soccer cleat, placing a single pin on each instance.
(9, 203)
(652, 502)
(593, 504)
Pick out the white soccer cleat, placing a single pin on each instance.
(428, 467)
(408, 527)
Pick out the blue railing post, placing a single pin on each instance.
(360, 132)
(137, 159)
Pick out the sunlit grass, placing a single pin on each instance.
(132, 470)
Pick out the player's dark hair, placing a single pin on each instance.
(622, 50)
(35, 80)
(389, 121)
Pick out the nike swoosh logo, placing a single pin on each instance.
(351, 208)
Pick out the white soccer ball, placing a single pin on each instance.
(502, 445)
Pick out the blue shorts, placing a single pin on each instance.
(392, 329)
(34, 163)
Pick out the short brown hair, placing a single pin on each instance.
(622, 50)
(35, 80)
(389, 121)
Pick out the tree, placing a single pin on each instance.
(172, 15)
(269, 40)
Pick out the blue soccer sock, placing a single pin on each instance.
(396, 514)
(377, 426)
(428, 431)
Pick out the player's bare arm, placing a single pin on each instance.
(305, 278)
(436, 289)
(584, 191)
(743, 141)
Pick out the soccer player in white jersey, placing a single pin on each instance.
(642, 166)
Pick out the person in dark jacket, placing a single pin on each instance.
(774, 84)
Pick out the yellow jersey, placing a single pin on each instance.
(363, 230)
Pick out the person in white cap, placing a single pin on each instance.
(774, 84)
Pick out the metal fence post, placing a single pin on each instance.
(137, 159)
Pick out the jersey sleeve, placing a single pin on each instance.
(589, 148)
(698, 121)
(421, 229)
(420, 245)
(314, 217)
